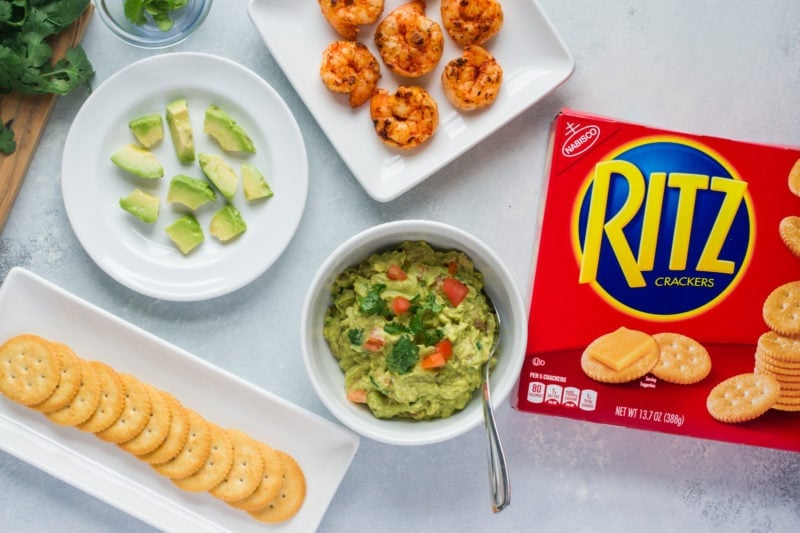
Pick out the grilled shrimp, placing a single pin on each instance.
(405, 119)
(409, 42)
(347, 15)
(473, 80)
(349, 67)
(471, 21)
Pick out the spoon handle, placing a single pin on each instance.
(498, 472)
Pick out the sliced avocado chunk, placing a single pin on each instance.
(253, 183)
(185, 233)
(148, 129)
(180, 129)
(142, 205)
(230, 135)
(220, 173)
(191, 192)
(138, 161)
(227, 223)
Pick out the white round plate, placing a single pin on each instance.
(141, 256)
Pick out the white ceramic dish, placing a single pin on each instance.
(325, 450)
(534, 60)
(328, 379)
(141, 256)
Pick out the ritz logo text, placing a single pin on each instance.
(662, 227)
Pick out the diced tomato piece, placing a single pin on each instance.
(375, 340)
(452, 267)
(434, 360)
(357, 396)
(396, 273)
(400, 305)
(445, 347)
(454, 290)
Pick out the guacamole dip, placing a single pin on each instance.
(411, 328)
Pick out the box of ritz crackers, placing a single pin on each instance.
(666, 293)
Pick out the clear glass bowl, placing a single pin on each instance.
(149, 35)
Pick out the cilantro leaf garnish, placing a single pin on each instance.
(356, 336)
(420, 333)
(161, 11)
(403, 357)
(372, 303)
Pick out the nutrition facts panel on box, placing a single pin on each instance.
(555, 394)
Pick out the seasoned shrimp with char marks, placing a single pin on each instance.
(409, 42)
(347, 15)
(349, 67)
(472, 21)
(405, 119)
(473, 80)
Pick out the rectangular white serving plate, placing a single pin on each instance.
(30, 304)
(534, 59)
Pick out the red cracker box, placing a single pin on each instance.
(658, 231)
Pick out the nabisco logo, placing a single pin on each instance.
(580, 139)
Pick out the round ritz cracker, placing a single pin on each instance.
(600, 372)
(789, 230)
(85, 402)
(682, 360)
(779, 348)
(30, 369)
(215, 468)
(135, 414)
(766, 359)
(270, 484)
(194, 453)
(291, 496)
(245, 475)
(68, 385)
(742, 397)
(794, 178)
(782, 376)
(781, 310)
(112, 399)
(176, 435)
(157, 428)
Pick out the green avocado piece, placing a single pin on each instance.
(253, 183)
(191, 192)
(220, 173)
(186, 233)
(148, 129)
(180, 129)
(227, 223)
(138, 161)
(143, 205)
(230, 135)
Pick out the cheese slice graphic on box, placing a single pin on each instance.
(621, 348)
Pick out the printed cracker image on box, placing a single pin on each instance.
(666, 293)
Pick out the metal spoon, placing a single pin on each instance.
(498, 473)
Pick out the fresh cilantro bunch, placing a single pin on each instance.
(25, 54)
(159, 10)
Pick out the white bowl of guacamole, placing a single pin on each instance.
(397, 325)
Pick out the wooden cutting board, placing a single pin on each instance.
(29, 114)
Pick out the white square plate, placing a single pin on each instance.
(323, 449)
(534, 60)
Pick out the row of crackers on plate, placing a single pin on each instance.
(151, 424)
